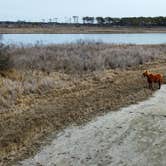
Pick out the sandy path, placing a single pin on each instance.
(133, 136)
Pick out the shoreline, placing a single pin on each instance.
(61, 29)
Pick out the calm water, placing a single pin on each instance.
(158, 38)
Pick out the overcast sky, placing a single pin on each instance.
(36, 10)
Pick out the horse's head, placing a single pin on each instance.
(145, 73)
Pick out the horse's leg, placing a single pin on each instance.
(149, 85)
(152, 86)
(159, 84)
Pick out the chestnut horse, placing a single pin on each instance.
(156, 78)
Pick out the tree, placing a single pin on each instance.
(88, 20)
(91, 20)
(100, 20)
(108, 20)
(116, 21)
(85, 20)
(75, 18)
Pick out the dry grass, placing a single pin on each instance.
(63, 29)
(90, 96)
(43, 90)
(37, 69)
(29, 67)
(34, 69)
(83, 56)
(18, 84)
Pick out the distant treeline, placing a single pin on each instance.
(127, 21)
(104, 21)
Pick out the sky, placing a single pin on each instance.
(36, 10)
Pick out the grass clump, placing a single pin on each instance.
(83, 56)
(4, 57)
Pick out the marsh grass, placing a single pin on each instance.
(4, 56)
(83, 56)
(49, 87)
(17, 84)
(30, 68)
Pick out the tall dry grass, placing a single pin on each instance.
(29, 66)
(17, 85)
(83, 56)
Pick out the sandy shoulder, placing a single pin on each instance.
(134, 136)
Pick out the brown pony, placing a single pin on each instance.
(156, 78)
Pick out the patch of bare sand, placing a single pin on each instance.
(134, 136)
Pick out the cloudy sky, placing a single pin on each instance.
(35, 10)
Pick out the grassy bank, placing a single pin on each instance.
(47, 88)
(63, 29)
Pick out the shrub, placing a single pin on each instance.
(4, 57)
(83, 56)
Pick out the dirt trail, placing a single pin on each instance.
(133, 136)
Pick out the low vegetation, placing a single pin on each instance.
(45, 88)
(83, 56)
(4, 57)
(36, 69)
